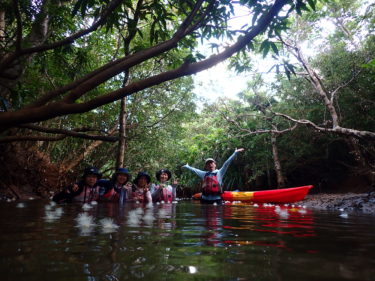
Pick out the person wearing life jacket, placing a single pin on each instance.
(115, 189)
(212, 178)
(140, 191)
(163, 192)
(85, 191)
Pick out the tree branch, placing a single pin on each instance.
(337, 130)
(102, 74)
(59, 108)
(261, 131)
(64, 133)
(8, 139)
(334, 92)
(71, 133)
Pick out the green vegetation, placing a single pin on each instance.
(65, 66)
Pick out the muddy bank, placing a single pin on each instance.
(363, 202)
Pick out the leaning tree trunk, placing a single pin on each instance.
(276, 160)
(77, 160)
(67, 166)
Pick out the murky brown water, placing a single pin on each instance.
(184, 241)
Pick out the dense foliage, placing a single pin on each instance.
(65, 65)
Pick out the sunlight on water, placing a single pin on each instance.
(184, 241)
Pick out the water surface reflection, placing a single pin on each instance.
(184, 241)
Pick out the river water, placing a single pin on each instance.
(183, 241)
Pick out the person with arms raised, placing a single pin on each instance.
(212, 178)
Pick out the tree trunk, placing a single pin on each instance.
(2, 26)
(276, 160)
(73, 163)
(122, 135)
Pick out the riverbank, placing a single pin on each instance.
(363, 202)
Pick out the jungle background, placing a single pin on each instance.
(111, 84)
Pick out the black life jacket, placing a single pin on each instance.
(211, 184)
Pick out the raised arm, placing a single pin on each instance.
(225, 166)
(198, 172)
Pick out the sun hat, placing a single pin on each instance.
(123, 171)
(158, 174)
(142, 174)
(91, 171)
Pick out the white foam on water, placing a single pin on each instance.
(344, 215)
(108, 225)
(85, 221)
(86, 206)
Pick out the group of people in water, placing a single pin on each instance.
(121, 189)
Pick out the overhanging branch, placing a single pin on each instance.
(111, 69)
(63, 133)
(59, 108)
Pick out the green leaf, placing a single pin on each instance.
(200, 56)
(139, 31)
(274, 48)
(265, 47)
(312, 4)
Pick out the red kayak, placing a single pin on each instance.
(284, 195)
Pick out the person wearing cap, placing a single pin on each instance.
(212, 178)
(163, 192)
(86, 190)
(115, 189)
(140, 191)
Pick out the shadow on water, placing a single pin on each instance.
(184, 241)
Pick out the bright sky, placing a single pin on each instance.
(219, 82)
